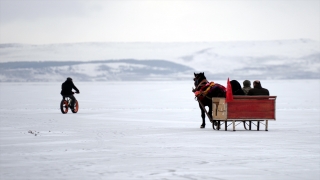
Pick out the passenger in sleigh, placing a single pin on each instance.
(236, 88)
(246, 86)
(258, 89)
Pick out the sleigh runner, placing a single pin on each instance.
(249, 110)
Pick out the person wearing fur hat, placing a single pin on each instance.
(246, 86)
(258, 90)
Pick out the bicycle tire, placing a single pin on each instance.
(64, 106)
(76, 107)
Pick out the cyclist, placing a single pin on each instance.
(66, 91)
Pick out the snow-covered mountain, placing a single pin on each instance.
(282, 59)
(108, 70)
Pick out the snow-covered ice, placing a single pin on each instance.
(150, 130)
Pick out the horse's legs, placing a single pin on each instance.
(203, 125)
(210, 111)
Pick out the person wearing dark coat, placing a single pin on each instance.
(66, 90)
(236, 88)
(258, 90)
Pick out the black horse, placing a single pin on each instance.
(205, 99)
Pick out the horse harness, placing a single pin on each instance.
(202, 83)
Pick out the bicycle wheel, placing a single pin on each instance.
(64, 106)
(76, 107)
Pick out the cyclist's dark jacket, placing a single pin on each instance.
(67, 87)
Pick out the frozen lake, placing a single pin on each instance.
(150, 130)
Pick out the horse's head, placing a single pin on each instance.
(198, 77)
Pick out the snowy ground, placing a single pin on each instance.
(150, 130)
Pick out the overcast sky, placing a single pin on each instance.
(69, 21)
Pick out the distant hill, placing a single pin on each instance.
(107, 70)
(281, 59)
